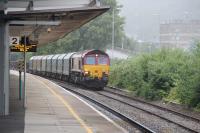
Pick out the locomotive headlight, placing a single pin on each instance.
(86, 72)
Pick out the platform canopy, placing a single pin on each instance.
(50, 20)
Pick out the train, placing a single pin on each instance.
(89, 68)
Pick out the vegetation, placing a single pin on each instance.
(171, 75)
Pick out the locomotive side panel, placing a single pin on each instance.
(76, 64)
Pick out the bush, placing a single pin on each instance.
(198, 107)
(169, 74)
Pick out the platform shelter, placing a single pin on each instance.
(42, 20)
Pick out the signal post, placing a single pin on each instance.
(20, 67)
(22, 44)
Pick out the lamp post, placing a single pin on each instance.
(113, 31)
(25, 40)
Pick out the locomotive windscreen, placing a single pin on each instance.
(90, 60)
(96, 60)
(103, 60)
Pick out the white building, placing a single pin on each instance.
(179, 34)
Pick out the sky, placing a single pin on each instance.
(143, 17)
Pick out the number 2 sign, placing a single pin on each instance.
(14, 40)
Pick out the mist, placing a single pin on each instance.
(143, 17)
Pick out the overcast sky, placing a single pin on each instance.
(144, 16)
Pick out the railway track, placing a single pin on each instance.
(122, 116)
(150, 104)
(149, 112)
(126, 117)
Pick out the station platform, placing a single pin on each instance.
(52, 109)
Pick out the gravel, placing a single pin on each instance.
(175, 118)
(151, 121)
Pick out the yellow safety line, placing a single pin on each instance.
(68, 106)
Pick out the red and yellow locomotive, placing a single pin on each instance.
(90, 68)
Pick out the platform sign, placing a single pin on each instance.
(14, 40)
(20, 48)
(17, 45)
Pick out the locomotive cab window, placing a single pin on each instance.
(102, 60)
(90, 60)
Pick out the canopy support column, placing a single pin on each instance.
(4, 68)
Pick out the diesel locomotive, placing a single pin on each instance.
(89, 68)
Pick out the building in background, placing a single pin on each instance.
(179, 34)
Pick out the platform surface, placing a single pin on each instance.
(51, 109)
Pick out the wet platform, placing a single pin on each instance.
(51, 109)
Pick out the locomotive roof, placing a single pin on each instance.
(89, 52)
